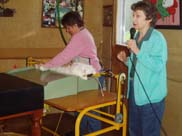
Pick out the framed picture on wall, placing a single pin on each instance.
(49, 10)
(108, 15)
(169, 14)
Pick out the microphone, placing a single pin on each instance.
(132, 32)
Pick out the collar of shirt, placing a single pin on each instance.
(145, 38)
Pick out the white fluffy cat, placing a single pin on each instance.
(76, 68)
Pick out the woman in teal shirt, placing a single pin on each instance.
(147, 85)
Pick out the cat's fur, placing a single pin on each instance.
(76, 68)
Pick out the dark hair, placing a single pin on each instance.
(148, 8)
(71, 18)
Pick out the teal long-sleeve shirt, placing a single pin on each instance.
(151, 68)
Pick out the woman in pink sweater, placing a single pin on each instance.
(81, 44)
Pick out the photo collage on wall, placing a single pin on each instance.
(49, 11)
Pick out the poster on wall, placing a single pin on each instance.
(49, 11)
(169, 14)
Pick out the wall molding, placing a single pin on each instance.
(22, 53)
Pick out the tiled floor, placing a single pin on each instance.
(23, 125)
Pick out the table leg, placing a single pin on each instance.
(36, 117)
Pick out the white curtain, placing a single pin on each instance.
(123, 20)
(120, 22)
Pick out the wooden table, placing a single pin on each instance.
(36, 117)
(19, 97)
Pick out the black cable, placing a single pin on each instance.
(162, 128)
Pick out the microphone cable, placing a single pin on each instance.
(154, 111)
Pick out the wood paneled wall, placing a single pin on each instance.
(172, 118)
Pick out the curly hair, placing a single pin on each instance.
(148, 8)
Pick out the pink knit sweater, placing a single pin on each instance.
(81, 45)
